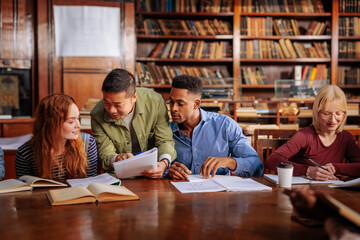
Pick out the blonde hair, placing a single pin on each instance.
(325, 96)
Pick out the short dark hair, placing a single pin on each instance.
(191, 83)
(119, 80)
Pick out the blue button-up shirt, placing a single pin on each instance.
(216, 135)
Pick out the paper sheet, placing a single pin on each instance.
(219, 183)
(134, 166)
(104, 178)
(87, 31)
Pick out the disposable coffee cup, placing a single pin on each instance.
(285, 173)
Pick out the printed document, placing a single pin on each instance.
(219, 183)
(133, 166)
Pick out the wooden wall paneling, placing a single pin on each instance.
(7, 30)
(70, 75)
(128, 40)
(83, 77)
(48, 67)
(16, 127)
(236, 50)
(334, 41)
(16, 30)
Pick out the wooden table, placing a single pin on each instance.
(161, 213)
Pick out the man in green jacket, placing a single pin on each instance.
(129, 120)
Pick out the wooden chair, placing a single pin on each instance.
(267, 146)
(356, 134)
(272, 133)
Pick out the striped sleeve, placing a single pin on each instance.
(92, 158)
(24, 161)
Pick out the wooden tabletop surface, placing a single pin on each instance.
(162, 213)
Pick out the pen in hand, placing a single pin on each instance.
(318, 165)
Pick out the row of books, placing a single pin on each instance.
(349, 49)
(267, 26)
(286, 6)
(349, 6)
(255, 26)
(309, 72)
(290, 27)
(253, 76)
(192, 49)
(349, 26)
(150, 73)
(205, 27)
(186, 6)
(282, 49)
(348, 76)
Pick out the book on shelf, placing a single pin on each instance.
(300, 180)
(95, 192)
(285, 6)
(219, 183)
(104, 178)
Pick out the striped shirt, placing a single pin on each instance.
(25, 162)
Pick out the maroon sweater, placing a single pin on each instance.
(306, 144)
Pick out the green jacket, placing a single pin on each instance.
(150, 122)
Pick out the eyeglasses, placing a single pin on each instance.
(328, 115)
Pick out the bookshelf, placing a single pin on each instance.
(184, 37)
(349, 46)
(322, 46)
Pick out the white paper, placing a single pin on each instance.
(219, 183)
(14, 142)
(351, 183)
(87, 31)
(132, 167)
(104, 178)
(299, 180)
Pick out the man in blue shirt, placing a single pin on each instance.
(206, 143)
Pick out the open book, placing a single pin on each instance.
(95, 192)
(41, 182)
(133, 166)
(348, 184)
(102, 178)
(299, 180)
(219, 183)
(13, 185)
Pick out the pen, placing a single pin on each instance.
(139, 153)
(318, 165)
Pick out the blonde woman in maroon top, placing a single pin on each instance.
(324, 141)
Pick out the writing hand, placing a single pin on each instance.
(320, 174)
(213, 163)
(123, 156)
(179, 171)
(156, 173)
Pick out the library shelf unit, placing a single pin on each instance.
(276, 118)
(206, 64)
(274, 68)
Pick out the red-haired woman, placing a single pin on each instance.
(56, 150)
